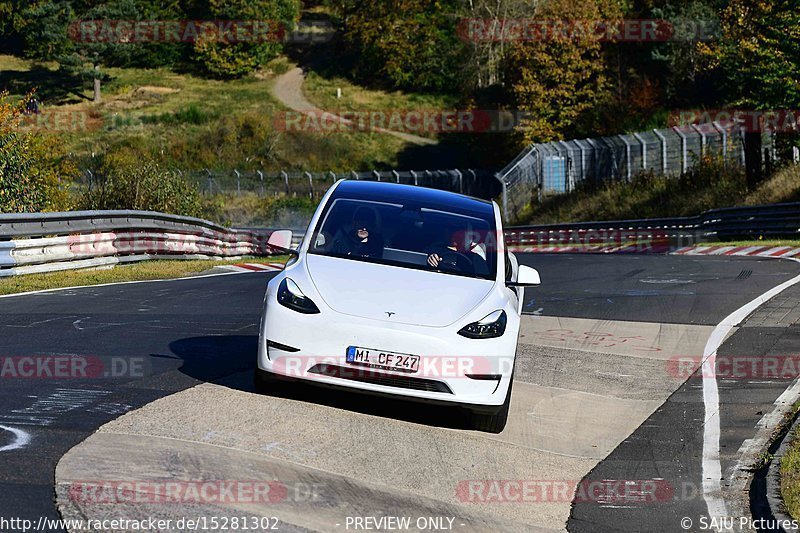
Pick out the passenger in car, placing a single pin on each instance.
(363, 239)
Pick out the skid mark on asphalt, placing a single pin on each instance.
(21, 439)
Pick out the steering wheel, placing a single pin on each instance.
(456, 262)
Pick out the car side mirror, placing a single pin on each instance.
(526, 277)
(281, 240)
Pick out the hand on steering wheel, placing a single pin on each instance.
(452, 261)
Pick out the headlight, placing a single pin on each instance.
(491, 326)
(290, 295)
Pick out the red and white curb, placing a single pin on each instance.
(253, 267)
(749, 251)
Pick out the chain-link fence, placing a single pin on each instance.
(558, 167)
(315, 184)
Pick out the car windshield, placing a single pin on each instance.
(412, 235)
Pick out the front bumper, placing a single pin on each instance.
(452, 370)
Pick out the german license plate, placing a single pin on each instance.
(399, 362)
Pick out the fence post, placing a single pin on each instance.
(663, 150)
(238, 182)
(414, 175)
(460, 181)
(627, 156)
(333, 176)
(641, 140)
(724, 134)
(377, 174)
(595, 159)
(310, 185)
(355, 174)
(396, 175)
(684, 152)
(702, 140)
(210, 181)
(261, 178)
(286, 180)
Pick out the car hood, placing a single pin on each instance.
(417, 297)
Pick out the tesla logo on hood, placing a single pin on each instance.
(389, 314)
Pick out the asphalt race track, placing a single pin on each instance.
(594, 398)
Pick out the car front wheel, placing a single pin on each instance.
(493, 422)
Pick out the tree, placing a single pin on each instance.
(757, 55)
(412, 44)
(757, 60)
(233, 59)
(560, 79)
(30, 165)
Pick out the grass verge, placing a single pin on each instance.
(709, 185)
(143, 271)
(766, 242)
(790, 475)
(191, 122)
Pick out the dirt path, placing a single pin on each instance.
(288, 89)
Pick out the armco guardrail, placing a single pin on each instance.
(48, 242)
(776, 221)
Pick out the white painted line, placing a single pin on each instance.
(712, 467)
(21, 439)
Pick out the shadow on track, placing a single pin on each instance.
(229, 360)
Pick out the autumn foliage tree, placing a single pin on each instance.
(559, 79)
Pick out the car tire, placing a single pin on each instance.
(494, 422)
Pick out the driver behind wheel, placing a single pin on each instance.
(459, 244)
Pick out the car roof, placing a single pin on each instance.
(413, 195)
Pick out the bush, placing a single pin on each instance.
(126, 179)
(31, 165)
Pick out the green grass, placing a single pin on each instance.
(710, 185)
(765, 242)
(790, 475)
(146, 270)
(322, 92)
(195, 123)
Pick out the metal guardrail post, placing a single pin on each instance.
(460, 181)
(396, 175)
(261, 179)
(238, 182)
(377, 175)
(414, 175)
(333, 176)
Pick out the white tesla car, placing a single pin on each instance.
(399, 290)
